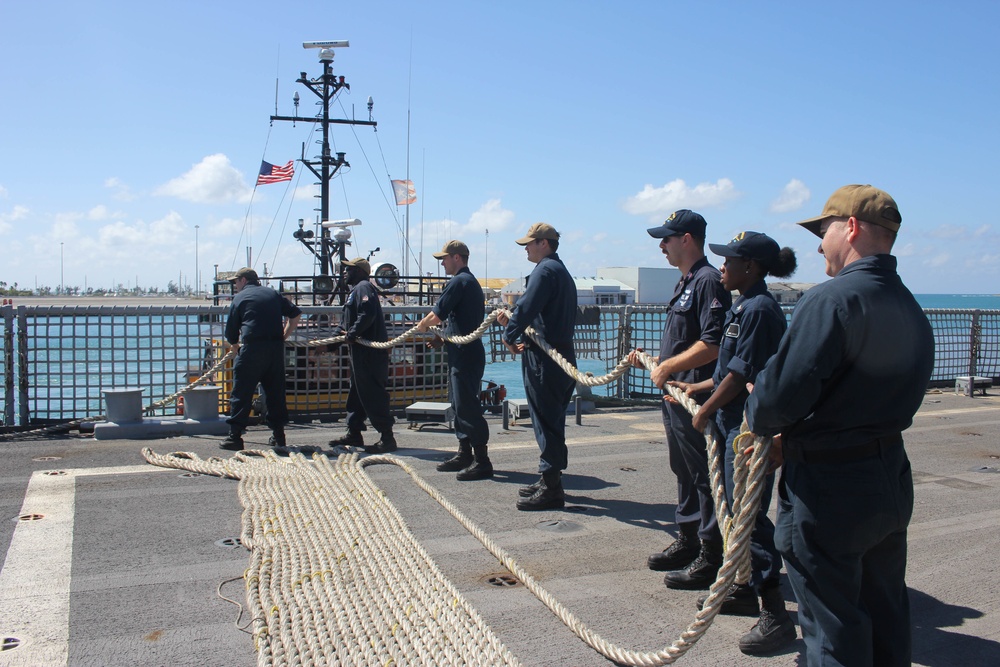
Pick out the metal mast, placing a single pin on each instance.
(325, 166)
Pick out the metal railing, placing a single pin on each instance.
(56, 360)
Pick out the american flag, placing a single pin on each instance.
(270, 173)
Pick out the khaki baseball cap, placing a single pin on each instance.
(864, 202)
(453, 247)
(246, 272)
(361, 264)
(539, 230)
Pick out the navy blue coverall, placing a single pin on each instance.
(752, 332)
(255, 321)
(368, 398)
(549, 306)
(848, 377)
(463, 306)
(696, 313)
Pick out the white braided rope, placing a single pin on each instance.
(335, 576)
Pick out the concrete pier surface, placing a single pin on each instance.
(117, 562)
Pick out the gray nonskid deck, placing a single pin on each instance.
(148, 547)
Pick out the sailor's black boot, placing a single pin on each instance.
(774, 630)
(277, 438)
(679, 554)
(700, 574)
(349, 439)
(549, 496)
(386, 443)
(233, 441)
(530, 489)
(481, 467)
(459, 461)
(740, 600)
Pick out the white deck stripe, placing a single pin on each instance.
(35, 579)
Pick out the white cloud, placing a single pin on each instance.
(16, 213)
(792, 197)
(122, 191)
(99, 212)
(3, 192)
(490, 215)
(657, 202)
(949, 231)
(214, 180)
(907, 250)
(941, 259)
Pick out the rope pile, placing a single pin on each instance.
(335, 576)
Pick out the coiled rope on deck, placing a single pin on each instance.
(332, 564)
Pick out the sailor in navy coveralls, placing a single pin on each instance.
(753, 329)
(848, 377)
(463, 306)
(549, 306)
(688, 352)
(255, 328)
(368, 397)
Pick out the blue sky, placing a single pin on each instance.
(127, 124)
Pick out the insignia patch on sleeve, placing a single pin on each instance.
(716, 304)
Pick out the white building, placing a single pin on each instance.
(651, 285)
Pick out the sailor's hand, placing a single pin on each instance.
(514, 349)
(502, 318)
(660, 374)
(775, 455)
(435, 343)
(700, 420)
(633, 358)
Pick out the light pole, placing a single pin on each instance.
(197, 280)
(62, 276)
(487, 268)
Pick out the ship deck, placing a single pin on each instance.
(125, 566)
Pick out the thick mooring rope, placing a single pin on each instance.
(332, 565)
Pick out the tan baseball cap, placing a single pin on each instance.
(361, 264)
(539, 230)
(453, 247)
(864, 202)
(246, 272)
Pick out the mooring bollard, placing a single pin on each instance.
(506, 415)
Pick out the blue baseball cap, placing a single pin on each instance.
(749, 245)
(680, 222)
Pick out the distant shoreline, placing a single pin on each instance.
(165, 300)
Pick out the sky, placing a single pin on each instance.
(131, 133)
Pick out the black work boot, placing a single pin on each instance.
(549, 496)
(459, 461)
(481, 467)
(233, 441)
(700, 574)
(679, 554)
(349, 439)
(740, 600)
(277, 438)
(386, 443)
(774, 630)
(531, 489)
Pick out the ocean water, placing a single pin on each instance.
(508, 373)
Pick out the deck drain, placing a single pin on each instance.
(985, 469)
(47, 458)
(31, 517)
(54, 473)
(576, 509)
(9, 643)
(229, 543)
(627, 469)
(190, 474)
(559, 526)
(502, 580)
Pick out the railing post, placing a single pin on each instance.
(975, 341)
(624, 346)
(21, 333)
(8, 365)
